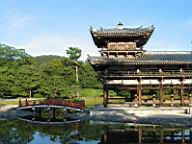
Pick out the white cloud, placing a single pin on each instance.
(57, 45)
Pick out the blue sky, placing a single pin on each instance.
(45, 27)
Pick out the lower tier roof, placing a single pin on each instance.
(146, 58)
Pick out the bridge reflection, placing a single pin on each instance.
(151, 135)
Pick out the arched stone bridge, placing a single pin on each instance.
(51, 103)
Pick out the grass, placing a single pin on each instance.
(92, 101)
(89, 92)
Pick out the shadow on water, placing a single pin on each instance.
(22, 132)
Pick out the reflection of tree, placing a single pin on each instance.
(20, 132)
(11, 133)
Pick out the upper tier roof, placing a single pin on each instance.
(139, 35)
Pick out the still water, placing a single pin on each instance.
(20, 132)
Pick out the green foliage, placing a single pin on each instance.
(57, 79)
(8, 53)
(74, 53)
(88, 77)
(38, 95)
(45, 76)
(45, 59)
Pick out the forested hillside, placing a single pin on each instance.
(22, 75)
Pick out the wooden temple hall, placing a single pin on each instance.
(124, 64)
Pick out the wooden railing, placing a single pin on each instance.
(149, 102)
(170, 73)
(54, 102)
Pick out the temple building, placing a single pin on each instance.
(124, 64)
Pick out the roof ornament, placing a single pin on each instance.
(120, 25)
(151, 27)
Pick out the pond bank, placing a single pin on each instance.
(11, 112)
(180, 116)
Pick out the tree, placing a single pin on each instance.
(6, 81)
(88, 77)
(74, 54)
(57, 79)
(8, 53)
(11, 60)
(27, 80)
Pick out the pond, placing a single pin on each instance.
(21, 132)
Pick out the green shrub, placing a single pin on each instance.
(37, 95)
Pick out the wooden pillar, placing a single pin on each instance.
(34, 113)
(105, 138)
(172, 99)
(183, 135)
(190, 135)
(161, 136)
(154, 100)
(172, 94)
(139, 93)
(49, 113)
(26, 102)
(182, 92)
(105, 94)
(172, 136)
(20, 104)
(54, 113)
(161, 91)
(40, 112)
(139, 135)
(64, 114)
(190, 99)
(135, 100)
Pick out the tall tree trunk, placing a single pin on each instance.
(77, 80)
(30, 93)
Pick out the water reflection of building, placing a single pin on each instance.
(147, 135)
(125, 65)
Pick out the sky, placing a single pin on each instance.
(49, 27)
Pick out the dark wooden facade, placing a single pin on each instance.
(125, 65)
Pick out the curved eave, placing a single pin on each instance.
(99, 64)
(101, 37)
